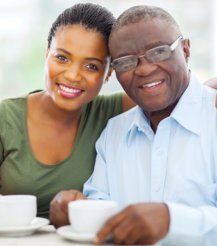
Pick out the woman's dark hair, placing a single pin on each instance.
(91, 16)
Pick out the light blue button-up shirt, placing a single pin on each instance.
(176, 165)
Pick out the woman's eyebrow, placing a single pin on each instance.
(63, 50)
(87, 58)
(94, 58)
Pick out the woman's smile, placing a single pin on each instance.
(68, 91)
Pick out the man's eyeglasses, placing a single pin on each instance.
(153, 55)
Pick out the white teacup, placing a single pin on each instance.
(88, 216)
(17, 210)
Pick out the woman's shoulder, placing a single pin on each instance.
(14, 102)
(12, 111)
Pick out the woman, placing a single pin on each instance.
(47, 138)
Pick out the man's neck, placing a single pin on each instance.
(157, 116)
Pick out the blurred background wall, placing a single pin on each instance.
(24, 26)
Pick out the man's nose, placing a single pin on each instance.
(144, 67)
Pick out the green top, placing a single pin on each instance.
(22, 173)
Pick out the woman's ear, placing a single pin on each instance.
(186, 49)
(47, 52)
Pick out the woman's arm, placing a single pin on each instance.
(59, 206)
(127, 102)
(211, 82)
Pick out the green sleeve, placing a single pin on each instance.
(115, 103)
(2, 120)
(111, 105)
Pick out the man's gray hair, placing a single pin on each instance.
(143, 12)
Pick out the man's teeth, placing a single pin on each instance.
(152, 84)
(69, 90)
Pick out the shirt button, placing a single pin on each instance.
(157, 188)
(159, 151)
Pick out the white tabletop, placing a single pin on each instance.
(46, 236)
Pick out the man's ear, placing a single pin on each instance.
(186, 48)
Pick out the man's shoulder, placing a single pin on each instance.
(125, 117)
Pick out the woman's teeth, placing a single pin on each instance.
(69, 90)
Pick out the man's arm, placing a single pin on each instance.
(97, 186)
(195, 223)
(147, 223)
(127, 102)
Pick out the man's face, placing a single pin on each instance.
(153, 86)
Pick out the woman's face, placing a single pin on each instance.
(75, 66)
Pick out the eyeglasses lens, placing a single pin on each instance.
(157, 54)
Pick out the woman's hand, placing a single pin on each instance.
(59, 206)
(212, 83)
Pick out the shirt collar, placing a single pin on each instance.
(139, 123)
(186, 112)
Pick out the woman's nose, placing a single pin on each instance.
(73, 72)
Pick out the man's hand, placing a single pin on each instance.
(144, 223)
(59, 206)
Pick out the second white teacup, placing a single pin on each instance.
(17, 210)
(88, 216)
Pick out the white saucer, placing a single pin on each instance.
(67, 232)
(20, 231)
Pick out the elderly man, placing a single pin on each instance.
(161, 156)
(165, 150)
